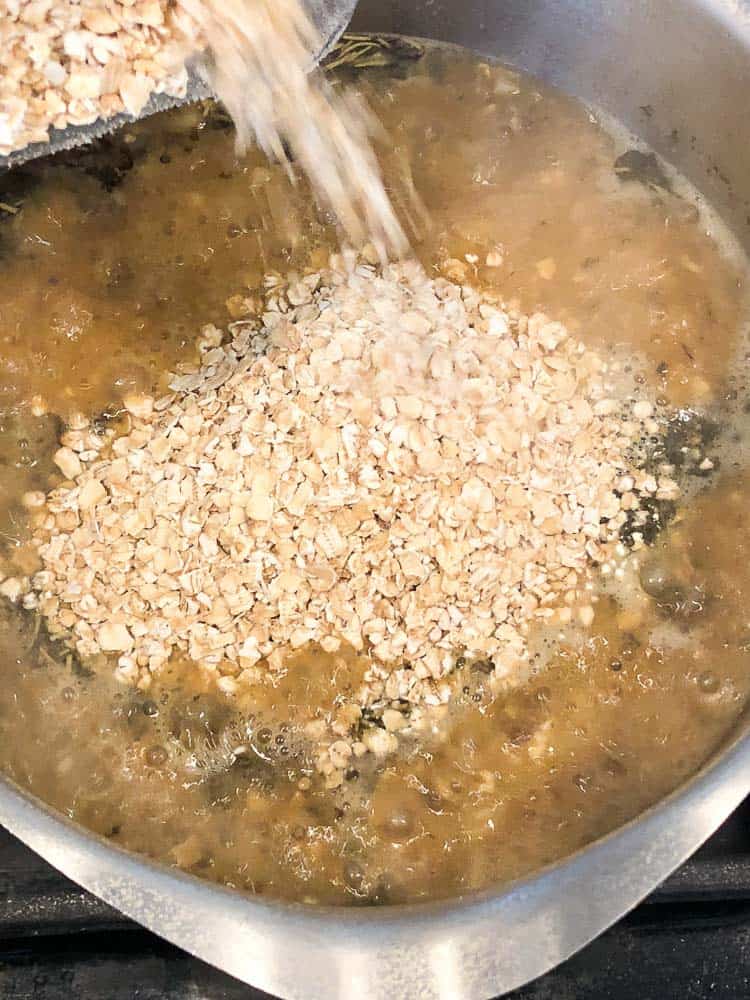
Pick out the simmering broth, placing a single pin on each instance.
(111, 261)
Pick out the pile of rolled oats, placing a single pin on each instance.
(374, 459)
(75, 61)
(68, 62)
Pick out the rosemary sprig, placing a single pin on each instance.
(355, 51)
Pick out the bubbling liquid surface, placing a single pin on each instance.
(111, 260)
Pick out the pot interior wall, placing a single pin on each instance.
(676, 72)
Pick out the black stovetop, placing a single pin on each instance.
(690, 940)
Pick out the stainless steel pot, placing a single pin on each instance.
(677, 72)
